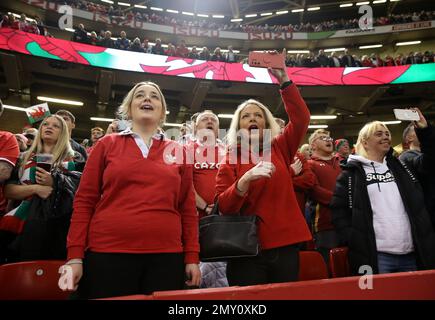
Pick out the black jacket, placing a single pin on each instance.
(352, 215)
(46, 228)
(422, 164)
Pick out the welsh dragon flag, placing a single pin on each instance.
(37, 112)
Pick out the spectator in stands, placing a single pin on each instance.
(428, 57)
(250, 188)
(136, 46)
(367, 62)
(357, 60)
(70, 121)
(22, 23)
(93, 39)
(334, 61)
(303, 179)
(322, 59)
(96, 134)
(22, 142)
(40, 25)
(343, 150)
(389, 61)
(123, 43)
(171, 51)
(347, 60)
(204, 54)
(145, 45)
(9, 152)
(376, 60)
(31, 184)
(126, 237)
(182, 50)
(378, 208)
(230, 56)
(30, 134)
(420, 158)
(217, 55)
(326, 167)
(107, 41)
(290, 60)
(32, 27)
(80, 34)
(158, 49)
(306, 150)
(193, 54)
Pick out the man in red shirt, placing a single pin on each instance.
(207, 153)
(9, 152)
(326, 167)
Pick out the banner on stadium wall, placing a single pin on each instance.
(214, 33)
(52, 48)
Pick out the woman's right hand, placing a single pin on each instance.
(263, 169)
(42, 191)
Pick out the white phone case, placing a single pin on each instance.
(406, 115)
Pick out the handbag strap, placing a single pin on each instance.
(215, 210)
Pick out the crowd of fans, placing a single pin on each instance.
(119, 14)
(105, 39)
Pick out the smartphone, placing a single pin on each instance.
(262, 59)
(406, 115)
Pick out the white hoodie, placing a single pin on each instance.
(390, 220)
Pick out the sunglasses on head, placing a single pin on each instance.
(326, 138)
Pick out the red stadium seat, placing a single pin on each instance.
(312, 266)
(338, 262)
(31, 280)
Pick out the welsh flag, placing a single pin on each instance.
(37, 112)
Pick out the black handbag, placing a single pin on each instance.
(227, 237)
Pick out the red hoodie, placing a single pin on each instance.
(281, 222)
(326, 172)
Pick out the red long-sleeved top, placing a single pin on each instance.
(326, 172)
(130, 204)
(273, 200)
(303, 182)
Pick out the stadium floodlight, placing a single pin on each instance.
(61, 101)
(172, 11)
(327, 117)
(13, 108)
(140, 6)
(107, 1)
(334, 49)
(218, 16)
(408, 43)
(392, 122)
(101, 119)
(236, 20)
(282, 12)
(345, 5)
(202, 15)
(266, 14)
(298, 51)
(298, 10)
(251, 15)
(156, 9)
(372, 46)
(379, 1)
(362, 3)
(317, 126)
(187, 13)
(168, 124)
(313, 9)
(123, 4)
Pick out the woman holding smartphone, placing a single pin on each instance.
(32, 179)
(259, 183)
(134, 229)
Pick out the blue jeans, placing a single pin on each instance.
(388, 263)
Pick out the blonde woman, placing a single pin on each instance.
(260, 183)
(30, 180)
(378, 208)
(134, 228)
